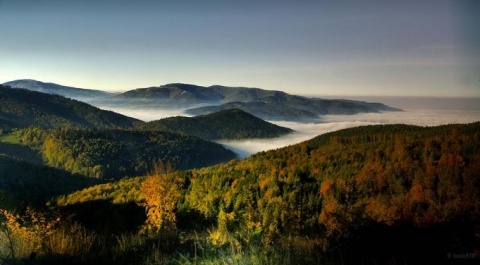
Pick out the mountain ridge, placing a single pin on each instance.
(57, 89)
(20, 108)
(265, 104)
(226, 124)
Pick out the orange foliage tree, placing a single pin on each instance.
(161, 191)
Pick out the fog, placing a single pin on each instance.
(420, 117)
(416, 112)
(146, 114)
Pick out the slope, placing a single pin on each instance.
(81, 94)
(379, 193)
(113, 154)
(21, 108)
(21, 182)
(335, 183)
(228, 124)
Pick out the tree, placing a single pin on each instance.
(161, 191)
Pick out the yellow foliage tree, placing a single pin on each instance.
(161, 191)
(32, 228)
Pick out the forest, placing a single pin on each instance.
(21, 108)
(367, 195)
(114, 154)
(228, 124)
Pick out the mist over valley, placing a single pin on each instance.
(239, 132)
(418, 111)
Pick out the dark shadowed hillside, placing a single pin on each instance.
(22, 182)
(228, 124)
(20, 108)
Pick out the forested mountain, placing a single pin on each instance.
(228, 124)
(338, 182)
(379, 193)
(81, 94)
(20, 108)
(390, 188)
(265, 104)
(119, 153)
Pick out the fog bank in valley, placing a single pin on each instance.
(329, 123)
(420, 112)
(144, 114)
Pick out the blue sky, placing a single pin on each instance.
(415, 48)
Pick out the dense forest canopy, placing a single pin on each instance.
(120, 153)
(329, 188)
(20, 108)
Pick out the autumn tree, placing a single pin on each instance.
(161, 191)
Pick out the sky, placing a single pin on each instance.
(363, 48)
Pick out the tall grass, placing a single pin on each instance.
(74, 244)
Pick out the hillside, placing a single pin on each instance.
(81, 94)
(228, 124)
(118, 153)
(20, 108)
(342, 181)
(24, 183)
(265, 104)
(263, 110)
(380, 193)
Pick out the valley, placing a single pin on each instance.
(239, 132)
(83, 185)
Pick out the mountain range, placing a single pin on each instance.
(367, 195)
(20, 108)
(199, 100)
(82, 139)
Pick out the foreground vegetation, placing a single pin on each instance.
(388, 194)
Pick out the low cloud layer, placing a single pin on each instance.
(328, 123)
(306, 131)
(146, 114)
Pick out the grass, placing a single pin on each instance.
(10, 139)
(74, 244)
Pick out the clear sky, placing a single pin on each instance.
(417, 48)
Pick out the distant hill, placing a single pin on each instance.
(227, 124)
(113, 154)
(200, 100)
(81, 94)
(170, 95)
(21, 108)
(265, 104)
